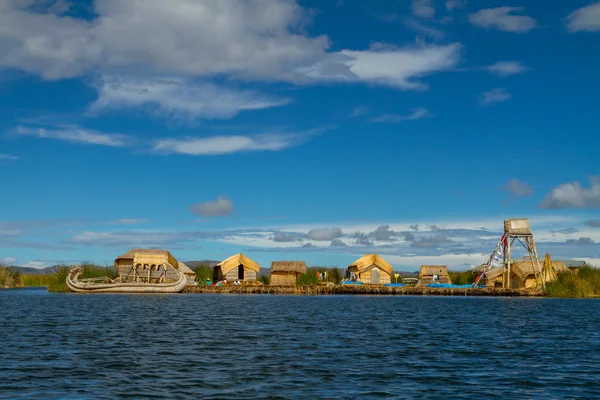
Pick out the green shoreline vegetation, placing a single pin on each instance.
(582, 282)
(55, 282)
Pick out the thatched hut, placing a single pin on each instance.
(150, 265)
(429, 271)
(284, 273)
(371, 268)
(523, 273)
(235, 267)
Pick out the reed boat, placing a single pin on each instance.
(107, 285)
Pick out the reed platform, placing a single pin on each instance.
(362, 290)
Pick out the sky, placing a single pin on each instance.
(298, 130)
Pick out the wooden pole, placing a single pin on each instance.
(508, 262)
(504, 265)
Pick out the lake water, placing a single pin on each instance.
(74, 346)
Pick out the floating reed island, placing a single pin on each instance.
(142, 270)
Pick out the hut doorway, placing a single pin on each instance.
(241, 272)
(375, 276)
(217, 274)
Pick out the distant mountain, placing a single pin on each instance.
(35, 271)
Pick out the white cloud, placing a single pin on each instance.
(582, 241)
(388, 65)
(179, 97)
(75, 135)
(501, 18)
(452, 261)
(7, 261)
(261, 38)
(495, 96)
(36, 264)
(586, 19)
(518, 188)
(423, 8)
(8, 157)
(324, 234)
(218, 145)
(452, 4)
(539, 222)
(44, 43)
(222, 207)
(594, 223)
(452, 243)
(573, 195)
(418, 113)
(505, 68)
(358, 111)
(412, 23)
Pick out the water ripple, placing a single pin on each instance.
(63, 346)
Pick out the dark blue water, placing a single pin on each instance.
(67, 346)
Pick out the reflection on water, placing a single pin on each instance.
(254, 346)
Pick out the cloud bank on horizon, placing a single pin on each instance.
(273, 127)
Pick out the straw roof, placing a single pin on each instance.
(289, 266)
(185, 269)
(430, 270)
(372, 259)
(524, 268)
(130, 255)
(237, 260)
(493, 273)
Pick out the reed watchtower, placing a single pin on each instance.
(518, 229)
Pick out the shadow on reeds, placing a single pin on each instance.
(582, 282)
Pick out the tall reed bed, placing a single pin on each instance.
(462, 277)
(203, 272)
(582, 282)
(58, 281)
(35, 280)
(9, 277)
(330, 274)
(265, 279)
(96, 271)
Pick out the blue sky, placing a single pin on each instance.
(312, 130)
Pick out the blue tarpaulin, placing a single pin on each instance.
(394, 284)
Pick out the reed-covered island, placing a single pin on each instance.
(581, 282)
